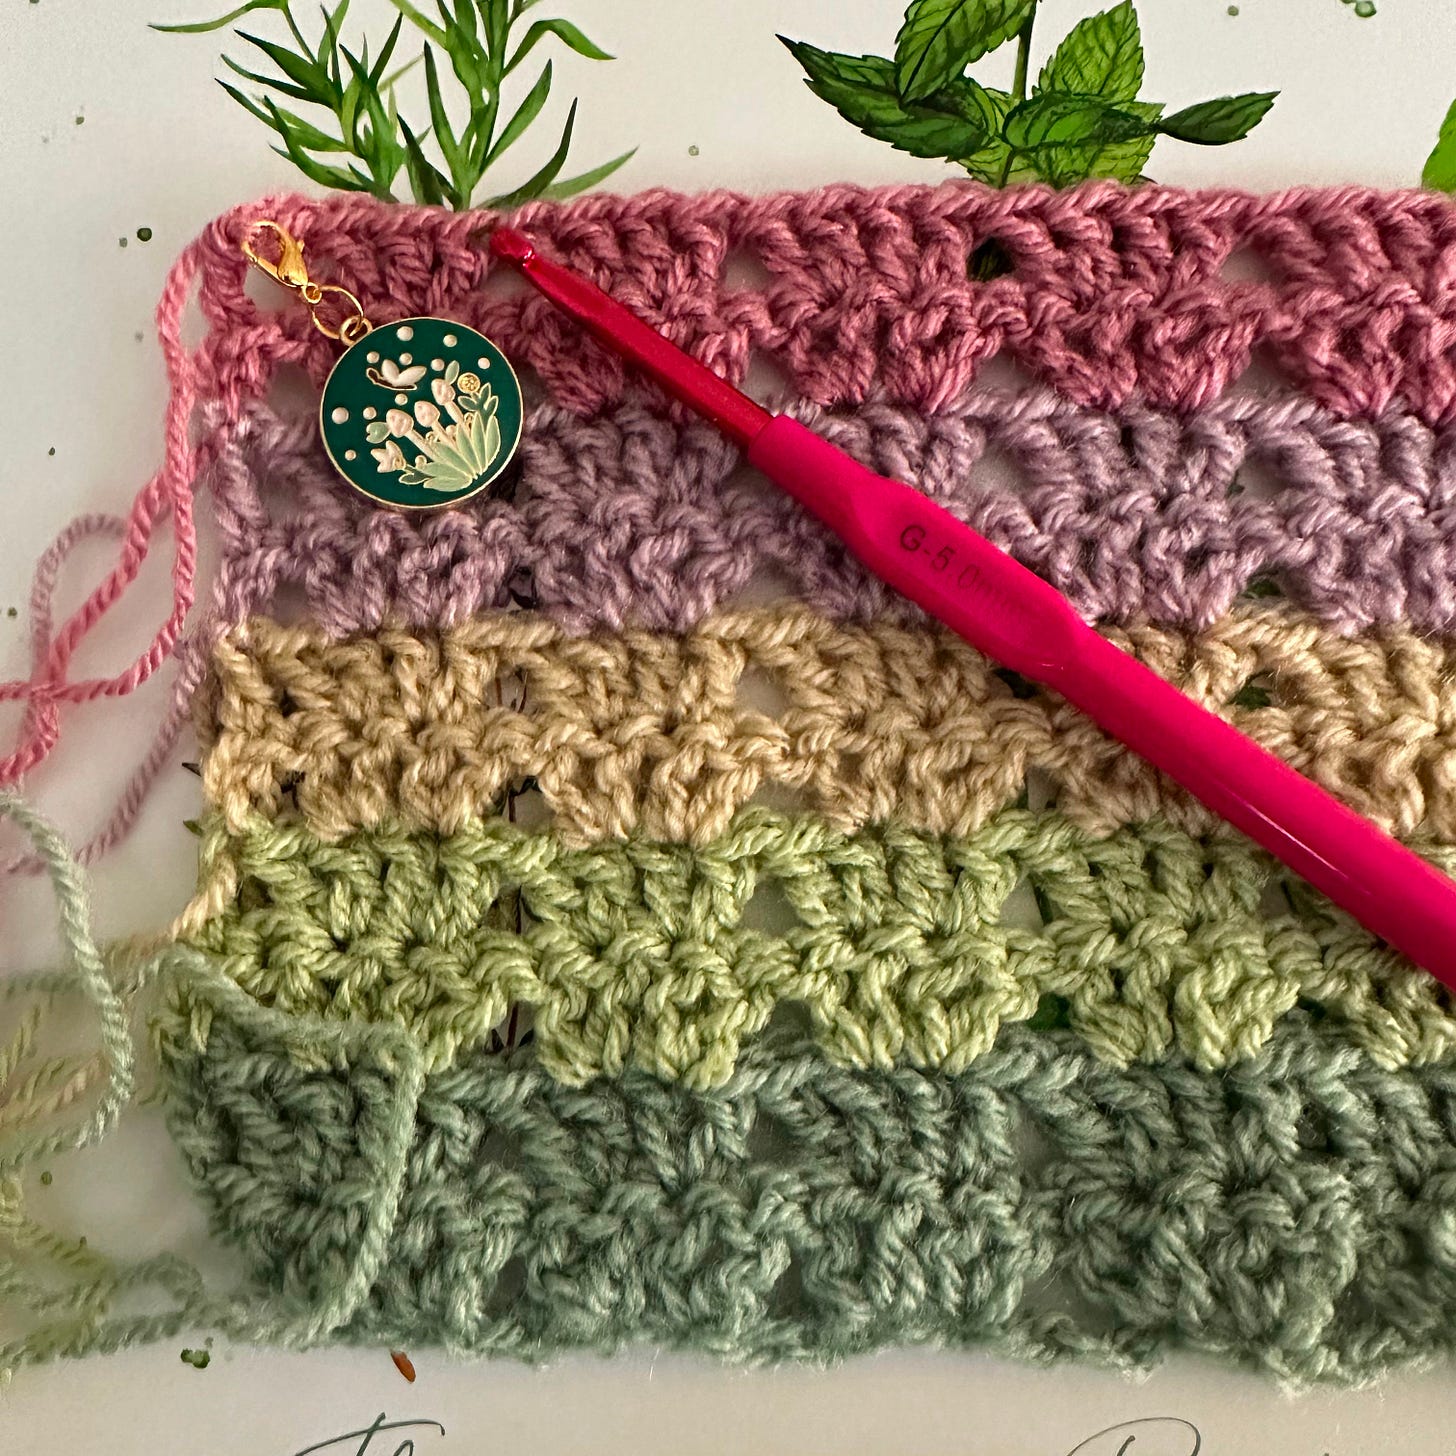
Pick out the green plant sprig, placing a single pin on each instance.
(370, 144)
(1081, 118)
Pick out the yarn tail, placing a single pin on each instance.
(167, 494)
(63, 1295)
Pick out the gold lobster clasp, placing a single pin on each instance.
(291, 271)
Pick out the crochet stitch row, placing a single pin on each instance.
(633, 518)
(657, 735)
(854, 293)
(899, 947)
(1292, 1211)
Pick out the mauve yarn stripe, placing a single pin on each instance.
(633, 518)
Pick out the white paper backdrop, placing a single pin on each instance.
(106, 128)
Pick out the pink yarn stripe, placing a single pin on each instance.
(168, 492)
(1114, 296)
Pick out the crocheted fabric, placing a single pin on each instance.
(866, 993)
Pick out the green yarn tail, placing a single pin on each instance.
(65, 1296)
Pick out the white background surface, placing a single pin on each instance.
(160, 146)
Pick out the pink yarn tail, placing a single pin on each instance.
(169, 492)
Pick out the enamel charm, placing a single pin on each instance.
(417, 415)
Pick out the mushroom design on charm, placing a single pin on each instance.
(421, 414)
(451, 456)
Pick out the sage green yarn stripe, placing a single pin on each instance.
(899, 946)
(1290, 1212)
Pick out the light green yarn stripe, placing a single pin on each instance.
(899, 946)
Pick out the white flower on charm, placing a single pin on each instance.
(391, 375)
(389, 457)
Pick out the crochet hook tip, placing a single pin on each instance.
(512, 246)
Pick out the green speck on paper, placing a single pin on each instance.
(45, 1177)
(693, 150)
(51, 451)
(138, 336)
(1233, 9)
(197, 1359)
(80, 120)
(122, 241)
(12, 611)
(144, 235)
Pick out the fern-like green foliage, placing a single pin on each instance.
(355, 138)
(1082, 117)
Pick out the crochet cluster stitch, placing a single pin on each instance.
(871, 994)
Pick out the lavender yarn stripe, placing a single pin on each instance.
(635, 518)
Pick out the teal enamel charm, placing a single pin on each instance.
(421, 414)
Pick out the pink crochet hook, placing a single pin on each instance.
(1015, 617)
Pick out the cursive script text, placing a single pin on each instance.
(405, 1447)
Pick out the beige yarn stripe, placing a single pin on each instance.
(667, 736)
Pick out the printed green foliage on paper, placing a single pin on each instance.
(356, 140)
(940, 38)
(1440, 170)
(1081, 118)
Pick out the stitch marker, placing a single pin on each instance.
(418, 414)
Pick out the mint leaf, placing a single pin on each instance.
(1065, 138)
(940, 38)
(1101, 56)
(969, 98)
(996, 164)
(1215, 123)
(952, 123)
(1123, 161)
(1440, 170)
(1055, 119)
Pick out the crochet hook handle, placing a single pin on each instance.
(1013, 616)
